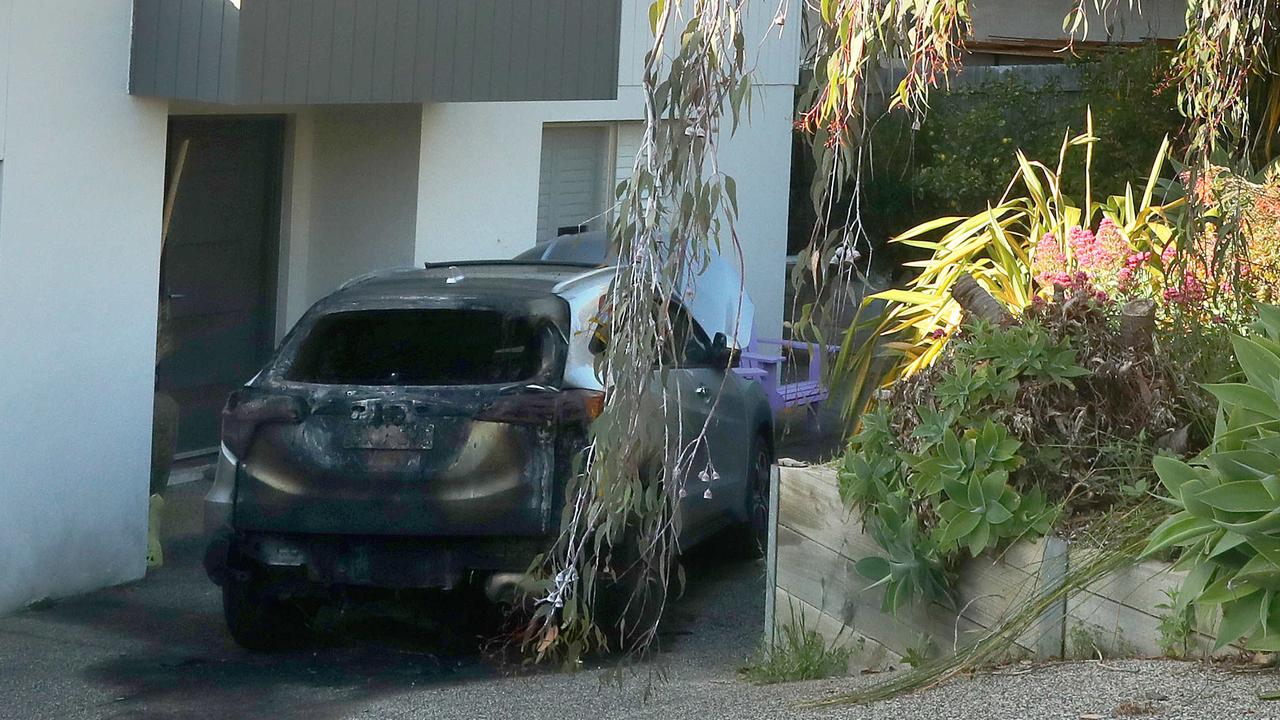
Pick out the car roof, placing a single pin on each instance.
(722, 306)
(499, 278)
(592, 247)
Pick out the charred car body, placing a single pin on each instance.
(417, 429)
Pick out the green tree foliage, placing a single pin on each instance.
(958, 162)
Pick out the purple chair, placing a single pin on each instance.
(766, 368)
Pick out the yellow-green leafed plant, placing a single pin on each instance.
(995, 247)
(1227, 521)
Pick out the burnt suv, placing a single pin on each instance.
(416, 430)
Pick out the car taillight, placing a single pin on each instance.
(246, 410)
(568, 406)
(592, 404)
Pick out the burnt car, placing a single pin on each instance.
(417, 428)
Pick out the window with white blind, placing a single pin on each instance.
(581, 167)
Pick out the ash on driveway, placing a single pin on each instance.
(157, 649)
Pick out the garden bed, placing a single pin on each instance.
(816, 542)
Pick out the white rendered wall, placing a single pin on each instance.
(364, 193)
(6, 15)
(79, 262)
(350, 199)
(479, 172)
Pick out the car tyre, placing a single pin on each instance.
(260, 621)
(630, 600)
(750, 539)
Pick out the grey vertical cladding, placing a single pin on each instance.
(384, 50)
(320, 58)
(229, 68)
(406, 46)
(168, 20)
(365, 28)
(375, 51)
(190, 19)
(146, 43)
(209, 63)
(340, 68)
(251, 54)
(297, 74)
(275, 50)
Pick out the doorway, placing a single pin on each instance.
(218, 265)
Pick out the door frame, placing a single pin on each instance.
(275, 130)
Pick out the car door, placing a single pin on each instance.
(709, 417)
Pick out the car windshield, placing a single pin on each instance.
(588, 249)
(419, 347)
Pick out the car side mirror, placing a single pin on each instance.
(723, 355)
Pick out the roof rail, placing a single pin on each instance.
(509, 263)
(364, 278)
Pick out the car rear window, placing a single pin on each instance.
(419, 347)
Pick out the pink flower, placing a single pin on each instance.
(1099, 255)
(1137, 260)
(1049, 263)
(1190, 291)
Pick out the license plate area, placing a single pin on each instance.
(390, 437)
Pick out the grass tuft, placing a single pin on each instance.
(797, 654)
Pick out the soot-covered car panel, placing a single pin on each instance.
(419, 427)
(425, 416)
(409, 405)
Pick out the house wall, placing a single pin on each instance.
(374, 51)
(996, 20)
(82, 167)
(479, 170)
(6, 12)
(79, 260)
(364, 193)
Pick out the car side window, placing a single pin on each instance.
(688, 345)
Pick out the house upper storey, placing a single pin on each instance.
(309, 52)
(249, 52)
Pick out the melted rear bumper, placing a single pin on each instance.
(372, 561)
(482, 479)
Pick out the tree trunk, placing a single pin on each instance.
(978, 302)
(1137, 324)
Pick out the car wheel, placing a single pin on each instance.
(260, 621)
(629, 597)
(750, 539)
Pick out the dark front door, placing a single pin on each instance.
(218, 269)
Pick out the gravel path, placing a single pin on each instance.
(1072, 691)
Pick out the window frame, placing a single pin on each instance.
(696, 331)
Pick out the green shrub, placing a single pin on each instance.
(1011, 430)
(1227, 524)
(971, 132)
(1177, 626)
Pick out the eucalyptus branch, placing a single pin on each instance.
(620, 522)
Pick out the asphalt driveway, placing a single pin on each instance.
(157, 649)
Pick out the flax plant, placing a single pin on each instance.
(996, 248)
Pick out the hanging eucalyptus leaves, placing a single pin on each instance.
(607, 578)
